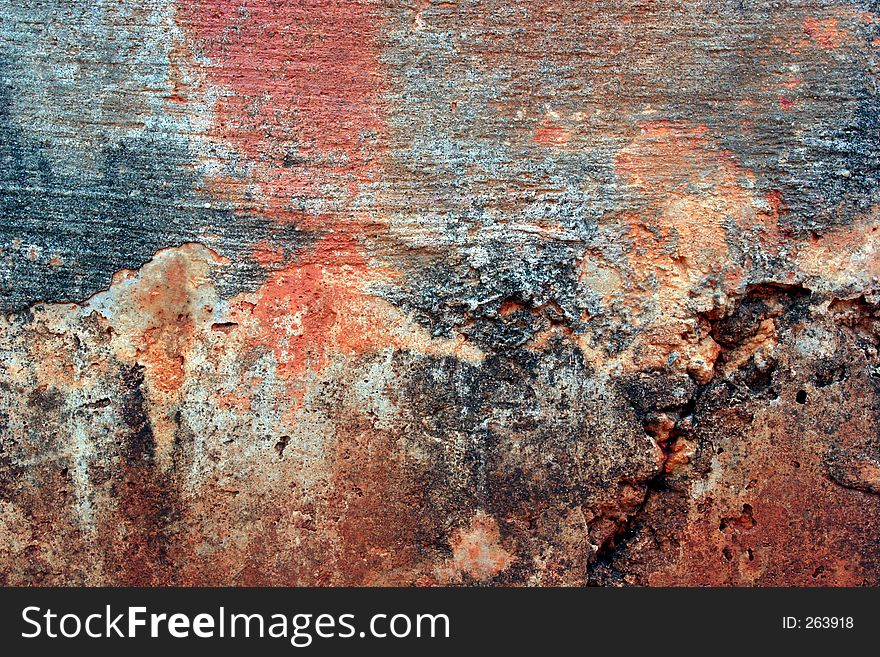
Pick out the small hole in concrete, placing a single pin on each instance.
(801, 397)
(281, 445)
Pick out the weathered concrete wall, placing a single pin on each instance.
(376, 292)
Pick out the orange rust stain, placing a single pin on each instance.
(233, 401)
(320, 307)
(162, 355)
(786, 103)
(157, 315)
(664, 162)
(551, 134)
(477, 550)
(665, 154)
(266, 254)
(824, 32)
(509, 307)
(165, 300)
(53, 359)
(679, 454)
(679, 240)
(298, 306)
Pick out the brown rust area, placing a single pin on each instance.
(780, 485)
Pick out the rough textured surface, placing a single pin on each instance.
(358, 292)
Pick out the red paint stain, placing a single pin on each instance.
(304, 71)
(299, 89)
